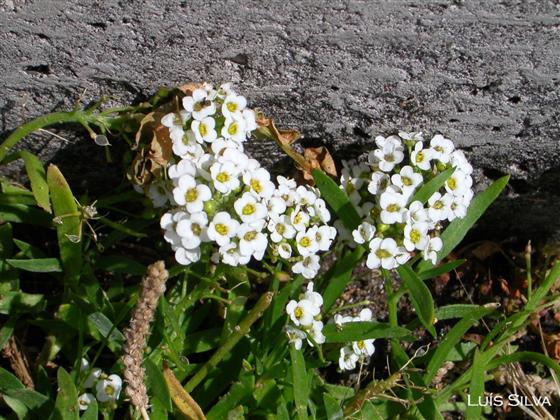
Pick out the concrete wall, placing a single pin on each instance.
(484, 73)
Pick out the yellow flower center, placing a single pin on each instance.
(305, 242)
(232, 129)
(202, 129)
(109, 390)
(221, 228)
(382, 253)
(256, 185)
(392, 208)
(280, 228)
(298, 312)
(361, 345)
(420, 157)
(248, 209)
(231, 106)
(191, 195)
(196, 229)
(438, 204)
(452, 183)
(297, 219)
(414, 236)
(249, 236)
(406, 181)
(222, 177)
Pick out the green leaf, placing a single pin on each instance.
(333, 407)
(442, 269)
(355, 331)
(38, 179)
(157, 385)
(459, 310)
(7, 330)
(458, 228)
(14, 302)
(237, 393)
(120, 264)
(202, 341)
(69, 225)
(525, 356)
(17, 406)
(6, 248)
(432, 186)
(92, 411)
(543, 289)
(337, 199)
(28, 397)
(28, 250)
(451, 339)
(476, 389)
(107, 329)
(340, 276)
(420, 296)
(300, 381)
(66, 406)
(38, 265)
(8, 381)
(20, 213)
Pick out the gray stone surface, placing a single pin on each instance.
(484, 73)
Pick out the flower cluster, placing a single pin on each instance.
(107, 388)
(395, 225)
(305, 315)
(218, 195)
(357, 351)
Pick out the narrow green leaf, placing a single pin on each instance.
(8, 381)
(157, 385)
(525, 356)
(439, 270)
(17, 406)
(543, 289)
(236, 394)
(459, 310)
(355, 331)
(28, 250)
(92, 411)
(38, 179)
(333, 407)
(340, 276)
(6, 247)
(66, 406)
(451, 339)
(300, 381)
(20, 213)
(420, 296)
(121, 264)
(14, 302)
(476, 389)
(432, 186)
(106, 328)
(38, 265)
(337, 199)
(7, 330)
(458, 228)
(28, 397)
(281, 298)
(69, 226)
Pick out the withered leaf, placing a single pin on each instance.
(182, 399)
(318, 158)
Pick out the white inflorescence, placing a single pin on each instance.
(219, 195)
(305, 315)
(107, 388)
(394, 225)
(356, 351)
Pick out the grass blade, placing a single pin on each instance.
(66, 406)
(337, 199)
(299, 375)
(340, 276)
(37, 178)
(432, 186)
(37, 265)
(442, 269)
(476, 389)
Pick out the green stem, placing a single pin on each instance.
(238, 333)
(38, 123)
(350, 306)
(121, 228)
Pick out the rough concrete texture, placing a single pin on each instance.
(484, 73)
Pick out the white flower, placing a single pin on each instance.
(347, 359)
(158, 194)
(280, 228)
(412, 136)
(222, 228)
(249, 208)
(184, 167)
(302, 312)
(307, 196)
(192, 230)
(175, 124)
(416, 213)
(458, 160)
(324, 237)
(433, 246)
(204, 130)
(392, 141)
(168, 222)
(234, 129)
(225, 176)
(341, 319)
(284, 250)
(275, 206)
(407, 180)
(186, 146)
(199, 104)
(85, 400)
(416, 236)
(393, 207)
(421, 157)
(364, 233)
(382, 253)
(233, 106)
(363, 347)
(365, 315)
(308, 267)
(378, 182)
(321, 210)
(230, 254)
(109, 389)
(306, 242)
(312, 296)
(259, 182)
(189, 194)
(84, 365)
(187, 256)
(439, 206)
(235, 156)
(295, 336)
(458, 183)
(220, 144)
(457, 209)
(299, 219)
(389, 155)
(250, 120)
(251, 240)
(92, 377)
(316, 332)
(442, 148)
